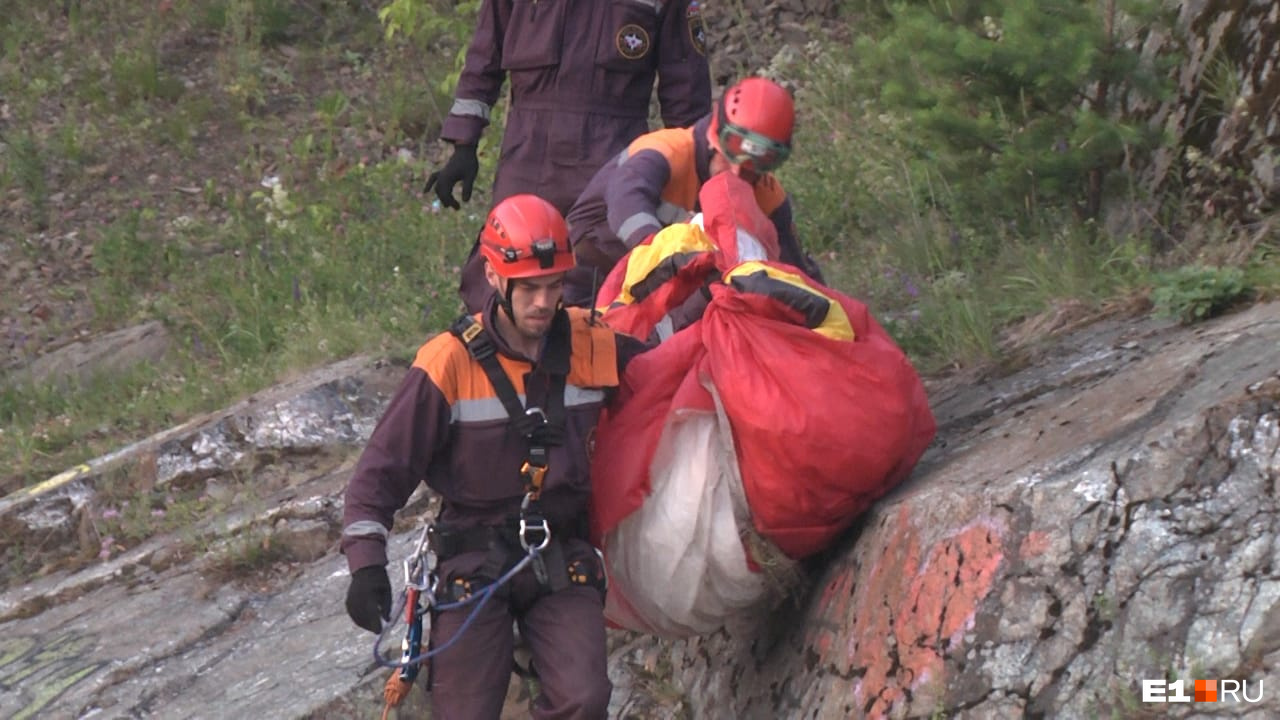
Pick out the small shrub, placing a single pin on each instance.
(264, 23)
(136, 76)
(427, 22)
(131, 260)
(1191, 294)
(252, 553)
(1009, 102)
(1262, 273)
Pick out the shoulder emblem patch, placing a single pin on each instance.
(633, 41)
(697, 27)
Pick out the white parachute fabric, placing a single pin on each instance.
(678, 562)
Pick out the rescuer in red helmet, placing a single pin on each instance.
(580, 75)
(496, 416)
(655, 182)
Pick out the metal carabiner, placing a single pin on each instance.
(541, 526)
(419, 567)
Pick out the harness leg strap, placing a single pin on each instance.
(557, 571)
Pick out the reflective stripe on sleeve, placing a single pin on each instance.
(362, 528)
(653, 5)
(636, 222)
(474, 108)
(670, 213)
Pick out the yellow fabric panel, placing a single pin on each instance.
(836, 323)
(671, 240)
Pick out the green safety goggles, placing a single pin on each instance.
(744, 147)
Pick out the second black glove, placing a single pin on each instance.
(369, 597)
(462, 167)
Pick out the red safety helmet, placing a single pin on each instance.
(525, 236)
(752, 124)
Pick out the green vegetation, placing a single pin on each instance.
(269, 215)
(954, 157)
(249, 173)
(1006, 104)
(1191, 294)
(246, 554)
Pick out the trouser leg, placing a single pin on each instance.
(469, 678)
(566, 635)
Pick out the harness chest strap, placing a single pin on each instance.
(542, 427)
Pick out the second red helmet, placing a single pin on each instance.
(525, 236)
(752, 124)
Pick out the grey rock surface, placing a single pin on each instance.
(263, 444)
(113, 352)
(144, 633)
(1103, 516)
(1106, 516)
(180, 644)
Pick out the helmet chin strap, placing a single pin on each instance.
(506, 300)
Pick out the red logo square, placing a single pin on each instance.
(1206, 691)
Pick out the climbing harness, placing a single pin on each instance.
(417, 601)
(542, 429)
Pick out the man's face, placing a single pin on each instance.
(719, 164)
(745, 153)
(533, 301)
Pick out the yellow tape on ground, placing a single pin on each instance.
(61, 478)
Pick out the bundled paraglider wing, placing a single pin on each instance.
(773, 413)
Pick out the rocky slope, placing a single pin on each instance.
(1104, 516)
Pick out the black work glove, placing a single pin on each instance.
(369, 597)
(463, 167)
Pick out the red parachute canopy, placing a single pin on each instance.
(827, 413)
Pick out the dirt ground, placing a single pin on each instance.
(58, 205)
(56, 208)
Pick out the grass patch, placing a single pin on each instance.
(292, 280)
(1262, 271)
(946, 287)
(26, 167)
(136, 76)
(249, 554)
(338, 257)
(260, 194)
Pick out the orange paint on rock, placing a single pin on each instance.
(1035, 543)
(924, 606)
(834, 602)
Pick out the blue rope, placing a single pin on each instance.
(479, 599)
